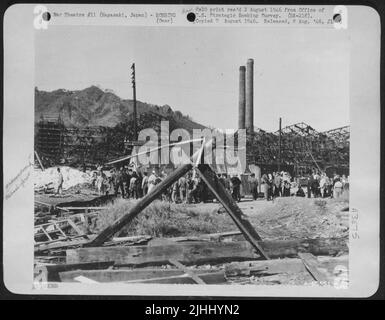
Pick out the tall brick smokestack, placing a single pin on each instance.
(249, 117)
(242, 97)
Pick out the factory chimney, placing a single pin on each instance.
(249, 115)
(242, 97)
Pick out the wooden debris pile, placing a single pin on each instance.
(65, 251)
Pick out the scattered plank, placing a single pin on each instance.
(51, 272)
(86, 280)
(206, 237)
(208, 278)
(119, 275)
(186, 253)
(279, 266)
(144, 275)
(291, 248)
(38, 159)
(312, 265)
(76, 241)
(187, 271)
(43, 203)
(131, 238)
(81, 208)
(264, 268)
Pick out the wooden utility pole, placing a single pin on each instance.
(133, 81)
(279, 144)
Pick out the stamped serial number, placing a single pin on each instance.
(198, 309)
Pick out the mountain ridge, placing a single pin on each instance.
(93, 107)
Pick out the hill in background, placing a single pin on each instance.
(93, 107)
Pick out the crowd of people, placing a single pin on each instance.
(133, 184)
(129, 183)
(319, 185)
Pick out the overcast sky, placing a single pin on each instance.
(299, 74)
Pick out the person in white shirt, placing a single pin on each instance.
(60, 181)
(152, 181)
(337, 190)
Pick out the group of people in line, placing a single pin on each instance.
(133, 184)
(276, 184)
(319, 185)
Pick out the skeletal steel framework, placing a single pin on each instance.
(302, 147)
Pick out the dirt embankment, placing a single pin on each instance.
(286, 218)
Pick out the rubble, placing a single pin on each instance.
(289, 245)
(72, 177)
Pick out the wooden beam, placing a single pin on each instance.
(270, 267)
(38, 159)
(241, 221)
(119, 275)
(186, 253)
(187, 271)
(81, 208)
(139, 206)
(318, 247)
(312, 265)
(174, 276)
(208, 278)
(206, 237)
(264, 268)
(205, 252)
(51, 272)
(61, 244)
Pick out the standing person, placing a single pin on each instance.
(315, 186)
(138, 185)
(93, 179)
(175, 192)
(286, 189)
(309, 185)
(227, 182)
(346, 184)
(236, 182)
(300, 192)
(182, 183)
(112, 179)
(253, 181)
(132, 187)
(105, 185)
(127, 175)
(265, 186)
(188, 188)
(152, 181)
(277, 185)
(60, 181)
(337, 189)
(145, 183)
(270, 183)
(99, 183)
(323, 185)
(195, 189)
(119, 182)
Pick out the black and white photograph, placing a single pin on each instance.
(211, 147)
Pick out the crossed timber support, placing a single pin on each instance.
(220, 192)
(210, 178)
